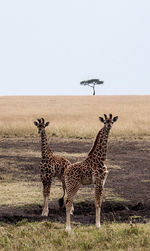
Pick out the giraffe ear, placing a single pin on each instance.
(115, 119)
(46, 124)
(36, 123)
(101, 119)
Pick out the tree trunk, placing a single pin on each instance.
(93, 90)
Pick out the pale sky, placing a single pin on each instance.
(48, 47)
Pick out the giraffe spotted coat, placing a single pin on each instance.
(91, 170)
(51, 166)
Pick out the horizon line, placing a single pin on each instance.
(67, 95)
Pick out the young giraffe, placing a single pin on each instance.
(91, 170)
(50, 166)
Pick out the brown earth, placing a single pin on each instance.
(129, 177)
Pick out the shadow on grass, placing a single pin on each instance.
(84, 213)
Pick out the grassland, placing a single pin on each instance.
(51, 236)
(74, 116)
(21, 226)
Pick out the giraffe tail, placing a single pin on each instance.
(61, 202)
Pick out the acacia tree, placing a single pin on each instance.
(92, 83)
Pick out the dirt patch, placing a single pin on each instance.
(129, 177)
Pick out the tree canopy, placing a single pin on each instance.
(92, 83)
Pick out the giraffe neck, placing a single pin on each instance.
(45, 149)
(99, 149)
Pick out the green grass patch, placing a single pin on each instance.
(52, 236)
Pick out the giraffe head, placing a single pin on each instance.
(108, 121)
(41, 124)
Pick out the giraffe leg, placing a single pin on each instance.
(98, 202)
(69, 202)
(69, 205)
(99, 187)
(46, 193)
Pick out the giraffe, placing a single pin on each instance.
(50, 166)
(92, 170)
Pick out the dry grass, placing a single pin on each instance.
(74, 116)
(23, 193)
(20, 182)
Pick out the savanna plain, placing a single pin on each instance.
(73, 127)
